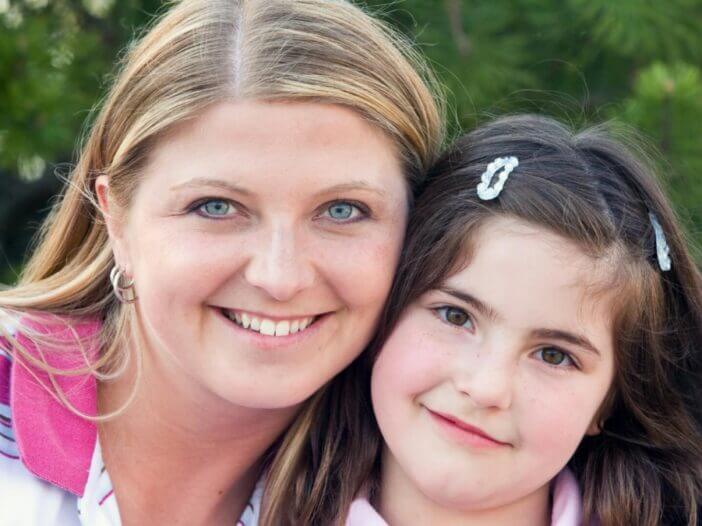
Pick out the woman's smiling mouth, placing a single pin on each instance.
(269, 325)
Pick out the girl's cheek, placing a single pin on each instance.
(554, 421)
(412, 361)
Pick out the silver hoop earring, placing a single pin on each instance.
(123, 288)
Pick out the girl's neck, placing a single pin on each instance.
(401, 503)
(180, 454)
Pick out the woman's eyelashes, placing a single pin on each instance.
(455, 316)
(214, 208)
(344, 211)
(338, 212)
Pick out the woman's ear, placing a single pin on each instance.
(114, 221)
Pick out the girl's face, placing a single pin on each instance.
(486, 387)
(262, 240)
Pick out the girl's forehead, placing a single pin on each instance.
(531, 274)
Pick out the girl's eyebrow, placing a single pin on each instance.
(483, 308)
(552, 334)
(573, 339)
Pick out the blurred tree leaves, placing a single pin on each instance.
(54, 58)
(666, 102)
(645, 29)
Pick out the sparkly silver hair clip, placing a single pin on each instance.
(662, 248)
(493, 179)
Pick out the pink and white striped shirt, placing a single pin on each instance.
(51, 468)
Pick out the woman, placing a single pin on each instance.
(222, 249)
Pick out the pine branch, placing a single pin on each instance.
(458, 33)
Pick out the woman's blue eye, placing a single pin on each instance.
(343, 211)
(455, 316)
(215, 208)
(555, 357)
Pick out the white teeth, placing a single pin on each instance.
(282, 328)
(267, 328)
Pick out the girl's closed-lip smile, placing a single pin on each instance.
(463, 432)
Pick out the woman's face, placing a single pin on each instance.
(262, 240)
(487, 386)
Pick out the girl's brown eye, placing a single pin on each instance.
(455, 316)
(555, 357)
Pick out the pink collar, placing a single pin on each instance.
(54, 443)
(566, 508)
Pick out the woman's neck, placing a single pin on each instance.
(401, 503)
(180, 454)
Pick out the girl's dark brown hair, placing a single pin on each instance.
(645, 467)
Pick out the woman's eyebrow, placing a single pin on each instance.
(232, 187)
(197, 182)
(482, 307)
(351, 186)
(574, 339)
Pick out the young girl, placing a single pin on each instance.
(541, 358)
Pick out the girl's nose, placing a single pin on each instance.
(488, 378)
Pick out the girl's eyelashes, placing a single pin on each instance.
(455, 316)
(344, 211)
(214, 208)
(557, 358)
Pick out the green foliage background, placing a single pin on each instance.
(637, 62)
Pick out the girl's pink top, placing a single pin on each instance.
(566, 510)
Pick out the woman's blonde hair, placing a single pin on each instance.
(198, 53)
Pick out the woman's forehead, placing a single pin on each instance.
(277, 150)
(244, 134)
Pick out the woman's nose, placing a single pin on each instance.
(279, 264)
